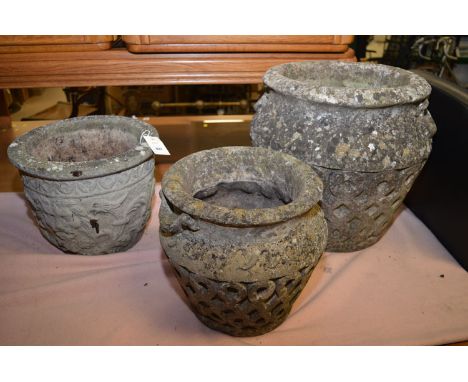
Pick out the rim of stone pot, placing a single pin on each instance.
(176, 181)
(19, 151)
(350, 84)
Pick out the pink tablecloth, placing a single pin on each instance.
(406, 289)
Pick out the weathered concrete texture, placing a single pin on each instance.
(243, 230)
(360, 206)
(88, 181)
(349, 120)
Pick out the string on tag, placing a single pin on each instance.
(145, 133)
(154, 143)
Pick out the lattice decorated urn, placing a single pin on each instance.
(89, 181)
(364, 128)
(243, 231)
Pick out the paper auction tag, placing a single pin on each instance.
(156, 145)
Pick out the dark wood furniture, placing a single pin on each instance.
(120, 67)
(54, 43)
(179, 60)
(239, 44)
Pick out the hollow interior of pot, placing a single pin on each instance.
(244, 194)
(80, 145)
(240, 178)
(345, 76)
(242, 186)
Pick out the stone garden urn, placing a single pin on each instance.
(89, 181)
(243, 230)
(364, 128)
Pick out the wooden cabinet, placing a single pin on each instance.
(39, 62)
(54, 43)
(241, 43)
(119, 67)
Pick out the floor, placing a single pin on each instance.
(48, 98)
(376, 47)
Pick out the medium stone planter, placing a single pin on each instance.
(242, 228)
(89, 181)
(364, 128)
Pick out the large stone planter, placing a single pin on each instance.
(364, 128)
(242, 228)
(89, 181)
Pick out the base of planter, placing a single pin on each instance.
(242, 309)
(360, 206)
(246, 332)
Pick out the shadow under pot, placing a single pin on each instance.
(364, 128)
(89, 181)
(243, 230)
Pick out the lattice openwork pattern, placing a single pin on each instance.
(242, 308)
(359, 207)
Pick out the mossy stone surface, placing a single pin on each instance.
(365, 123)
(243, 230)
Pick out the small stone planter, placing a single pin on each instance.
(364, 128)
(89, 181)
(242, 228)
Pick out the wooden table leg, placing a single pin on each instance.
(5, 119)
